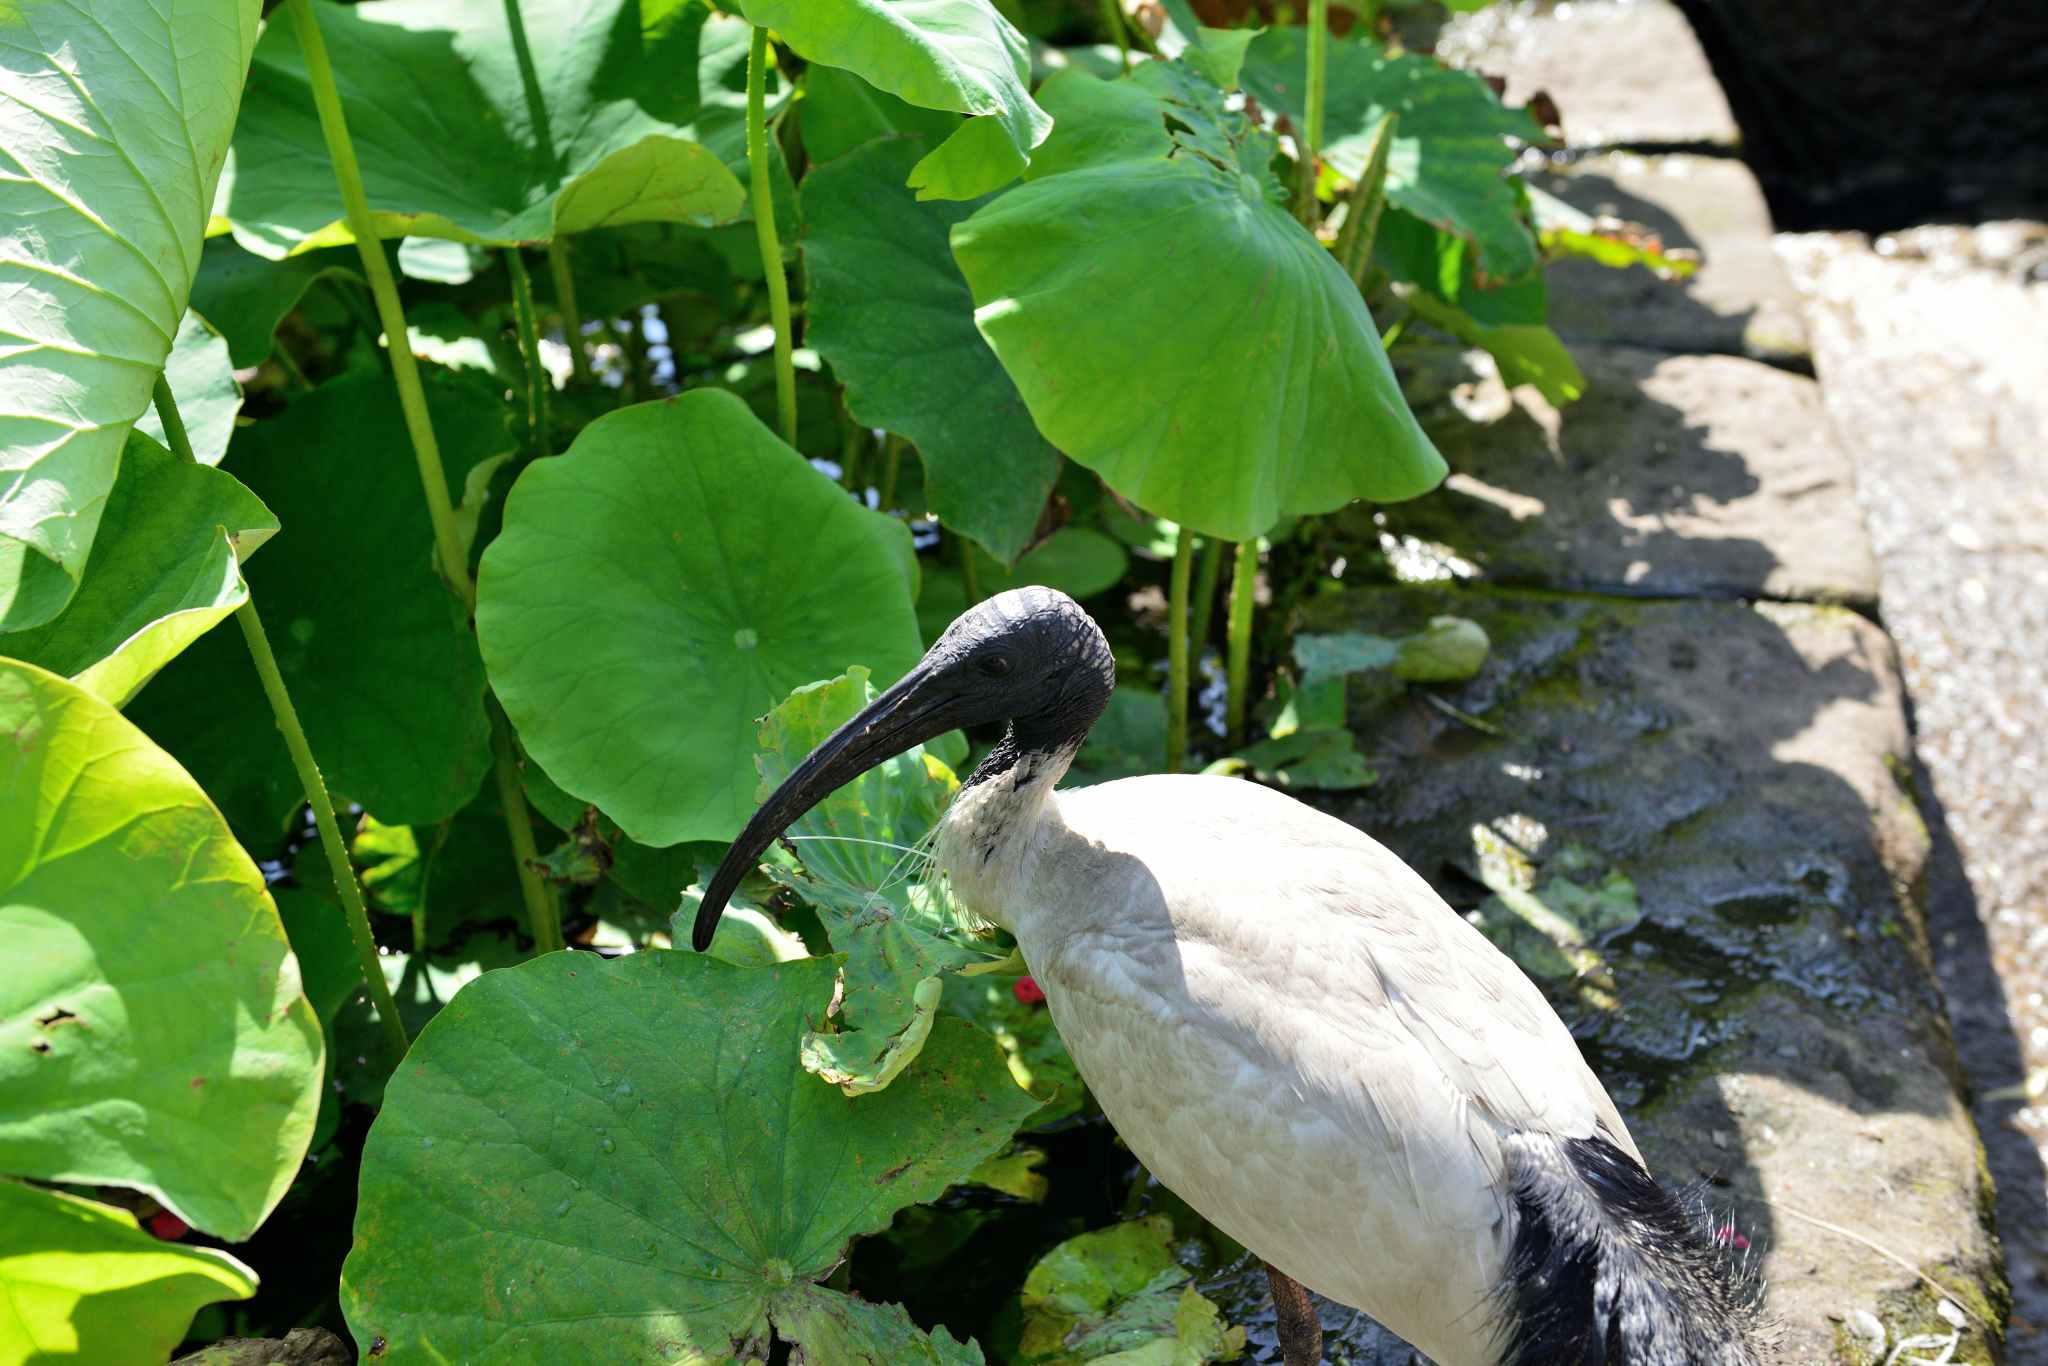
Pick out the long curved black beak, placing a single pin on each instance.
(916, 709)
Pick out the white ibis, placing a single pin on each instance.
(1291, 1030)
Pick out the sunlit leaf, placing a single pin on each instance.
(1173, 328)
(889, 309)
(164, 570)
(1449, 161)
(152, 1030)
(1037, 1055)
(660, 586)
(666, 1183)
(80, 1282)
(960, 55)
(114, 122)
(863, 870)
(1119, 1290)
(448, 136)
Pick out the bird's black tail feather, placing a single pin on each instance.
(1607, 1269)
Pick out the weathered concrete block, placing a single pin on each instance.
(1622, 74)
(1671, 476)
(1763, 1009)
(1741, 301)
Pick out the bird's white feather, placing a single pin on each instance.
(1288, 1026)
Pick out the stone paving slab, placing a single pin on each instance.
(1932, 348)
(1672, 476)
(1770, 1023)
(1623, 72)
(1740, 301)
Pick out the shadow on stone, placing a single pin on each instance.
(1771, 1024)
(1694, 476)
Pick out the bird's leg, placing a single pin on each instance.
(1301, 1330)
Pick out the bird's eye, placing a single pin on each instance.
(995, 666)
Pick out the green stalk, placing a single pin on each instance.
(177, 438)
(1177, 652)
(302, 759)
(1308, 210)
(330, 829)
(565, 298)
(405, 371)
(892, 462)
(1112, 14)
(1318, 73)
(968, 576)
(537, 383)
(541, 917)
(1239, 650)
(1205, 600)
(764, 225)
(1393, 333)
(1368, 202)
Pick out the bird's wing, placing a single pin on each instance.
(1307, 935)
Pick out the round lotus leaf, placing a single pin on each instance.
(660, 586)
(152, 1029)
(1172, 327)
(625, 1162)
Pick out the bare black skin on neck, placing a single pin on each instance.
(1030, 657)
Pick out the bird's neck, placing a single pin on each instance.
(994, 827)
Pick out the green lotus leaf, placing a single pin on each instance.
(862, 866)
(152, 1029)
(1449, 163)
(840, 111)
(959, 55)
(246, 296)
(453, 143)
(80, 1282)
(202, 380)
(1173, 328)
(889, 309)
(664, 583)
(165, 569)
(372, 645)
(1118, 1294)
(624, 1162)
(114, 122)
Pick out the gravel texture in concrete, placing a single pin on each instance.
(1932, 350)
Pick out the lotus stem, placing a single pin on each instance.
(1368, 202)
(302, 759)
(1239, 664)
(1318, 74)
(892, 464)
(1113, 16)
(764, 225)
(1177, 652)
(174, 423)
(405, 372)
(330, 830)
(565, 299)
(537, 383)
(1206, 578)
(541, 917)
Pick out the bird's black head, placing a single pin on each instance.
(1031, 657)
